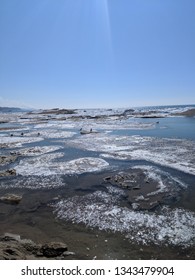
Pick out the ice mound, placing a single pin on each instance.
(48, 165)
(102, 210)
(34, 182)
(35, 151)
(175, 153)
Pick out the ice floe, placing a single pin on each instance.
(175, 153)
(113, 123)
(102, 210)
(50, 164)
(13, 141)
(35, 151)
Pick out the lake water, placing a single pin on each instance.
(60, 172)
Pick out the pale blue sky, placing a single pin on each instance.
(97, 53)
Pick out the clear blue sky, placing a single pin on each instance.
(97, 53)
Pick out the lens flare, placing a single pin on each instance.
(102, 10)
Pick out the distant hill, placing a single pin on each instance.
(12, 110)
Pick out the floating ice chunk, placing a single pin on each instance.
(43, 165)
(87, 164)
(18, 141)
(171, 226)
(175, 153)
(35, 151)
(48, 165)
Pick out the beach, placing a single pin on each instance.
(102, 183)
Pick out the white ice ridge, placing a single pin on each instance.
(175, 153)
(35, 151)
(100, 209)
(50, 164)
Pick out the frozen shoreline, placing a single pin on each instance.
(47, 154)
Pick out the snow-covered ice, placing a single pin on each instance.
(35, 151)
(175, 153)
(49, 164)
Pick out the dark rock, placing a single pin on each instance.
(11, 198)
(7, 159)
(57, 111)
(10, 237)
(128, 112)
(10, 172)
(108, 178)
(85, 132)
(151, 117)
(53, 249)
(11, 252)
(188, 113)
(126, 184)
(136, 188)
(67, 253)
(12, 247)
